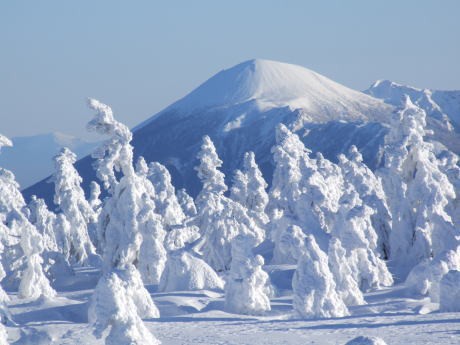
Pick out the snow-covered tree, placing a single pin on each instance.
(346, 285)
(119, 227)
(94, 196)
(424, 279)
(21, 241)
(152, 254)
(249, 189)
(418, 193)
(449, 165)
(315, 294)
(187, 203)
(353, 227)
(166, 202)
(220, 219)
(247, 286)
(185, 270)
(45, 221)
(450, 292)
(34, 282)
(370, 190)
(212, 178)
(112, 307)
(304, 191)
(70, 198)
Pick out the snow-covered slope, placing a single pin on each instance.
(239, 109)
(30, 158)
(442, 108)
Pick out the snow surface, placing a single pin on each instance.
(198, 317)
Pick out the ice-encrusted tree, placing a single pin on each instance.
(185, 269)
(353, 227)
(166, 201)
(94, 197)
(34, 283)
(22, 242)
(187, 203)
(346, 285)
(418, 193)
(45, 221)
(449, 293)
(119, 227)
(112, 307)
(313, 284)
(152, 253)
(425, 278)
(249, 189)
(220, 219)
(247, 286)
(305, 191)
(70, 198)
(370, 190)
(449, 165)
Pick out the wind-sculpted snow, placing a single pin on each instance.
(362, 340)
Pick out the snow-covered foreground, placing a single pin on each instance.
(197, 317)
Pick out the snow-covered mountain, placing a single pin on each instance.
(30, 158)
(239, 109)
(442, 108)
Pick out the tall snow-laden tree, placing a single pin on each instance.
(346, 285)
(22, 242)
(353, 227)
(152, 254)
(119, 227)
(249, 189)
(34, 284)
(304, 191)
(187, 203)
(418, 193)
(449, 165)
(315, 294)
(370, 190)
(45, 221)
(220, 219)
(70, 198)
(247, 286)
(166, 202)
(112, 308)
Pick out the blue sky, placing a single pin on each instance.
(139, 56)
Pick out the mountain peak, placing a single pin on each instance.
(269, 83)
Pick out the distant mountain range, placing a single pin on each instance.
(240, 107)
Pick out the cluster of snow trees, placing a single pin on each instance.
(346, 228)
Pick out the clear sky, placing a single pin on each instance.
(140, 56)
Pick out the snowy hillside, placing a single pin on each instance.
(239, 108)
(38, 151)
(442, 108)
